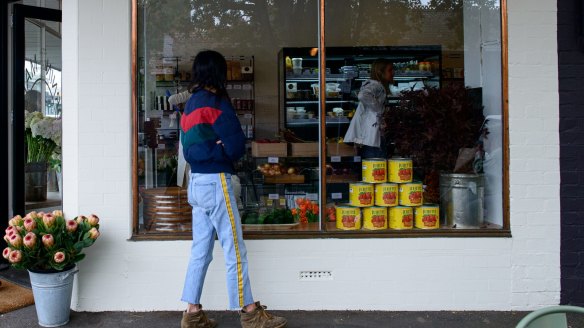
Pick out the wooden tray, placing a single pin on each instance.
(285, 178)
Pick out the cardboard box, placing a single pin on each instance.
(340, 149)
(279, 149)
(304, 149)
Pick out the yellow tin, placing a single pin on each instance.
(386, 194)
(375, 218)
(400, 170)
(348, 217)
(374, 170)
(428, 216)
(411, 194)
(361, 194)
(401, 217)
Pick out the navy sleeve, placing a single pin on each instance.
(228, 128)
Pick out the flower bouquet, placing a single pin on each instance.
(43, 136)
(307, 211)
(43, 242)
(49, 246)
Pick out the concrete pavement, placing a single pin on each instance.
(26, 317)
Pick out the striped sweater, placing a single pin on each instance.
(205, 121)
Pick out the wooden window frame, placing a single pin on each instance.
(505, 231)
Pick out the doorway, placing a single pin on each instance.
(36, 109)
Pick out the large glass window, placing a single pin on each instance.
(410, 114)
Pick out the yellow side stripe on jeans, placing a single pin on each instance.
(234, 233)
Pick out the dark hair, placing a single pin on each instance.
(210, 71)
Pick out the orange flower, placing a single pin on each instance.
(294, 212)
(315, 208)
(299, 201)
(303, 207)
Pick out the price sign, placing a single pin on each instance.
(337, 195)
(247, 87)
(312, 196)
(273, 160)
(357, 159)
(282, 201)
(336, 159)
(228, 87)
(269, 202)
(248, 116)
(237, 87)
(273, 196)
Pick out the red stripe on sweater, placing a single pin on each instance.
(199, 116)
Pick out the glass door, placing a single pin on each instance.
(36, 111)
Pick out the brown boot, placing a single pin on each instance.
(197, 320)
(259, 318)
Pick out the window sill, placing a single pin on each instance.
(340, 234)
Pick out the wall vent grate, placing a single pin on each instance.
(316, 275)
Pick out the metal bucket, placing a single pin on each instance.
(52, 296)
(35, 182)
(462, 198)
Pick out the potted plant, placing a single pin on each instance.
(432, 126)
(48, 246)
(43, 138)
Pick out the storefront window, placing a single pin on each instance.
(411, 120)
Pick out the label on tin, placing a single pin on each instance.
(337, 195)
(335, 159)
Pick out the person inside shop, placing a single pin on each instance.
(212, 140)
(365, 129)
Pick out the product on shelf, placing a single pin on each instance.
(428, 216)
(386, 194)
(276, 169)
(375, 218)
(268, 148)
(361, 194)
(374, 170)
(411, 194)
(401, 217)
(306, 210)
(348, 217)
(400, 170)
(331, 213)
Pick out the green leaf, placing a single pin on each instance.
(78, 258)
(87, 242)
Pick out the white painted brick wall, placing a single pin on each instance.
(518, 273)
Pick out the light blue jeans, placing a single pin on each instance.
(215, 211)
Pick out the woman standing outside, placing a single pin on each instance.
(365, 127)
(212, 140)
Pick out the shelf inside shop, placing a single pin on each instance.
(314, 121)
(173, 83)
(299, 102)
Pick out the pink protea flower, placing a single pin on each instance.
(7, 239)
(59, 257)
(15, 256)
(10, 231)
(48, 220)
(57, 213)
(48, 240)
(80, 219)
(93, 233)
(93, 220)
(71, 226)
(29, 224)
(6, 252)
(15, 221)
(30, 240)
(16, 240)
